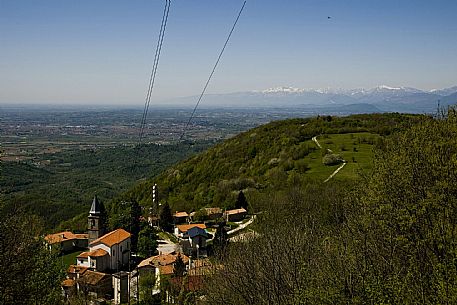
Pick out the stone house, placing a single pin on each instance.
(161, 265)
(235, 215)
(96, 284)
(67, 241)
(213, 213)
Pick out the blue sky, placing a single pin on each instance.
(101, 52)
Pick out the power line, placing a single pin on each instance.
(212, 72)
(154, 67)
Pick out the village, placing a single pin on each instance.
(107, 271)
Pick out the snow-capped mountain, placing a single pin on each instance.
(445, 91)
(382, 89)
(381, 98)
(282, 89)
(396, 90)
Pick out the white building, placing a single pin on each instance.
(109, 252)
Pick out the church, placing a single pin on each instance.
(99, 271)
(107, 252)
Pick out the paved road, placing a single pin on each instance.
(242, 226)
(166, 246)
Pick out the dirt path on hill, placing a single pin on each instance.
(315, 141)
(329, 150)
(335, 172)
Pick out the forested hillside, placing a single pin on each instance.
(269, 157)
(388, 239)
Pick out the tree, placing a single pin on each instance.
(220, 238)
(280, 263)
(179, 268)
(147, 241)
(134, 226)
(200, 215)
(401, 222)
(147, 282)
(30, 273)
(241, 201)
(126, 214)
(166, 218)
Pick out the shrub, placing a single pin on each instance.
(332, 159)
(301, 166)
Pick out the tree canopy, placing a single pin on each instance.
(388, 239)
(30, 273)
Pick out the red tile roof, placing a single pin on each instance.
(77, 269)
(93, 277)
(62, 236)
(98, 253)
(236, 211)
(83, 254)
(163, 260)
(166, 270)
(68, 283)
(112, 238)
(93, 253)
(185, 228)
(181, 214)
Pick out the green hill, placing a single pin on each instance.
(271, 157)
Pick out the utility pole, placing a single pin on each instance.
(155, 205)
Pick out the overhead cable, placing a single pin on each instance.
(154, 68)
(212, 72)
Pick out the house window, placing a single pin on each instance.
(121, 248)
(92, 223)
(114, 252)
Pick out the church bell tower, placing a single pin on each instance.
(96, 220)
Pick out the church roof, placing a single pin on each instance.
(112, 238)
(96, 207)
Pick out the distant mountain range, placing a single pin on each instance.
(378, 99)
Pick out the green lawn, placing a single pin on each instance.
(69, 259)
(356, 149)
(167, 236)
